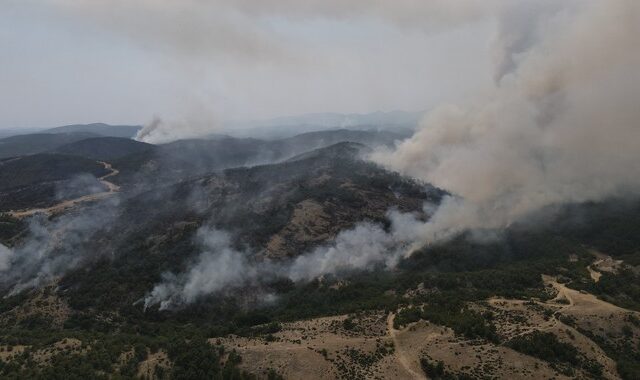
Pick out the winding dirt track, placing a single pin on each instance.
(112, 188)
(400, 354)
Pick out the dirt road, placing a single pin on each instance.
(112, 188)
(399, 352)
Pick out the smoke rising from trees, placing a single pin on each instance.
(561, 126)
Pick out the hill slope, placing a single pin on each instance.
(188, 158)
(558, 298)
(22, 145)
(104, 148)
(101, 129)
(43, 179)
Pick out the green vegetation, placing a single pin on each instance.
(40, 168)
(437, 371)
(625, 354)
(101, 357)
(452, 314)
(562, 356)
(545, 346)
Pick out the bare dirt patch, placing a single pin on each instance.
(309, 223)
(603, 263)
(323, 349)
(8, 353)
(66, 346)
(149, 368)
(44, 304)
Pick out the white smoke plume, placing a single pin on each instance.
(198, 119)
(5, 257)
(51, 248)
(361, 248)
(219, 28)
(562, 126)
(221, 52)
(219, 267)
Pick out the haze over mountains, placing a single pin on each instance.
(236, 230)
(495, 236)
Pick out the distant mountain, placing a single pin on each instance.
(22, 145)
(187, 158)
(17, 131)
(342, 149)
(102, 129)
(312, 140)
(397, 121)
(104, 148)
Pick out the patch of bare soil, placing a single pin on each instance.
(45, 304)
(586, 312)
(8, 353)
(309, 223)
(323, 348)
(515, 318)
(603, 263)
(574, 317)
(65, 346)
(411, 366)
(368, 347)
(149, 368)
(475, 358)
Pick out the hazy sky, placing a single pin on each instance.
(117, 61)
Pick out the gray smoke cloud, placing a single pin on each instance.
(220, 268)
(361, 248)
(562, 125)
(5, 257)
(218, 28)
(255, 43)
(520, 27)
(198, 123)
(217, 267)
(52, 247)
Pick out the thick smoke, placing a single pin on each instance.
(218, 267)
(5, 257)
(361, 248)
(562, 126)
(520, 27)
(51, 248)
(199, 120)
(222, 28)
(220, 52)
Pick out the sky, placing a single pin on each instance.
(205, 62)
